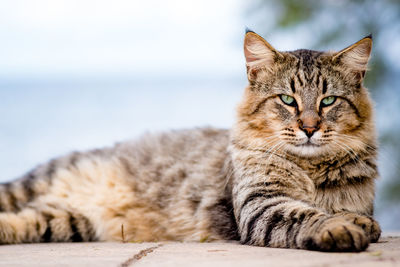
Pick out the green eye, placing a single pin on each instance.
(327, 101)
(288, 100)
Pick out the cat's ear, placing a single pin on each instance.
(259, 54)
(355, 57)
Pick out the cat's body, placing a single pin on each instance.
(279, 178)
(155, 187)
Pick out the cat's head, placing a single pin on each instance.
(307, 103)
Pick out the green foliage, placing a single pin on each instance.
(294, 12)
(337, 21)
(391, 141)
(392, 191)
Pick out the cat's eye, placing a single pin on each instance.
(288, 100)
(327, 101)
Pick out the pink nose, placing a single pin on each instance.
(309, 130)
(309, 124)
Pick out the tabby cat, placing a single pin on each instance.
(296, 170)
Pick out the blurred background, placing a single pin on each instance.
(76, 75)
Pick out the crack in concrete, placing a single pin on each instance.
(143, 253)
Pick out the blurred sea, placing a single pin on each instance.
(43, 120)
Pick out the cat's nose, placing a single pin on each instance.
(309, 130)
(309, 123)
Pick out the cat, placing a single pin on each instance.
(296, 170)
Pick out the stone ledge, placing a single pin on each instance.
(384, 253)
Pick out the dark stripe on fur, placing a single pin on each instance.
(295, 225)
(272, 222)
(259, 105)
(12, 200)
(300, 80)
(324, 86)
(351, 237)
(261, 194)
(292, 86)
(27, 184)
(74, 158)
(223, 219)
(51, 169)
(353, 106)
(334, 241)
(295, 232)
(250, 198)
(47, 235)
(329, 184)
(309, 243)
(292, 222)
(298, 228)
(76, 236)
(255, 217)
(89, 232)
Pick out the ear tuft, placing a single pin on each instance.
(248, 30)
(356, 56)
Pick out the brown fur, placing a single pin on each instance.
(297, 175)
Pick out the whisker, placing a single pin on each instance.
(351, 153)
(277, 147)
(356, 140)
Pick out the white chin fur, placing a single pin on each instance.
(306, 150)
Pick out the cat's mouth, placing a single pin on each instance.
(306, 149)
(308, 143)
(309, 146)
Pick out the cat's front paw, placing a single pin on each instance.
(337, 234)
(368, 224)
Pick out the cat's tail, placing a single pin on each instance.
(45, 223)
(15, 195)
(27, 215)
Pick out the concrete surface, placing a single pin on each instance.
(384, 253)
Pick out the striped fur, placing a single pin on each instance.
(267, 182)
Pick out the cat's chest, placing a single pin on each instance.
(357, 199)
(334, 193)
(326, 176)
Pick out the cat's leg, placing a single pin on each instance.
(367, 223)
(44, 224)
(274, 213)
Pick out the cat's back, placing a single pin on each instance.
(174, 156)
(189, 147)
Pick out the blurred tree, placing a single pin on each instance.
(334, 22)
(337, 22)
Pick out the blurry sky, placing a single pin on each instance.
(112, 37)
(76, 75)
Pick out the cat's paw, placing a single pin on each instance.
(368, 224)
(337, 234)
